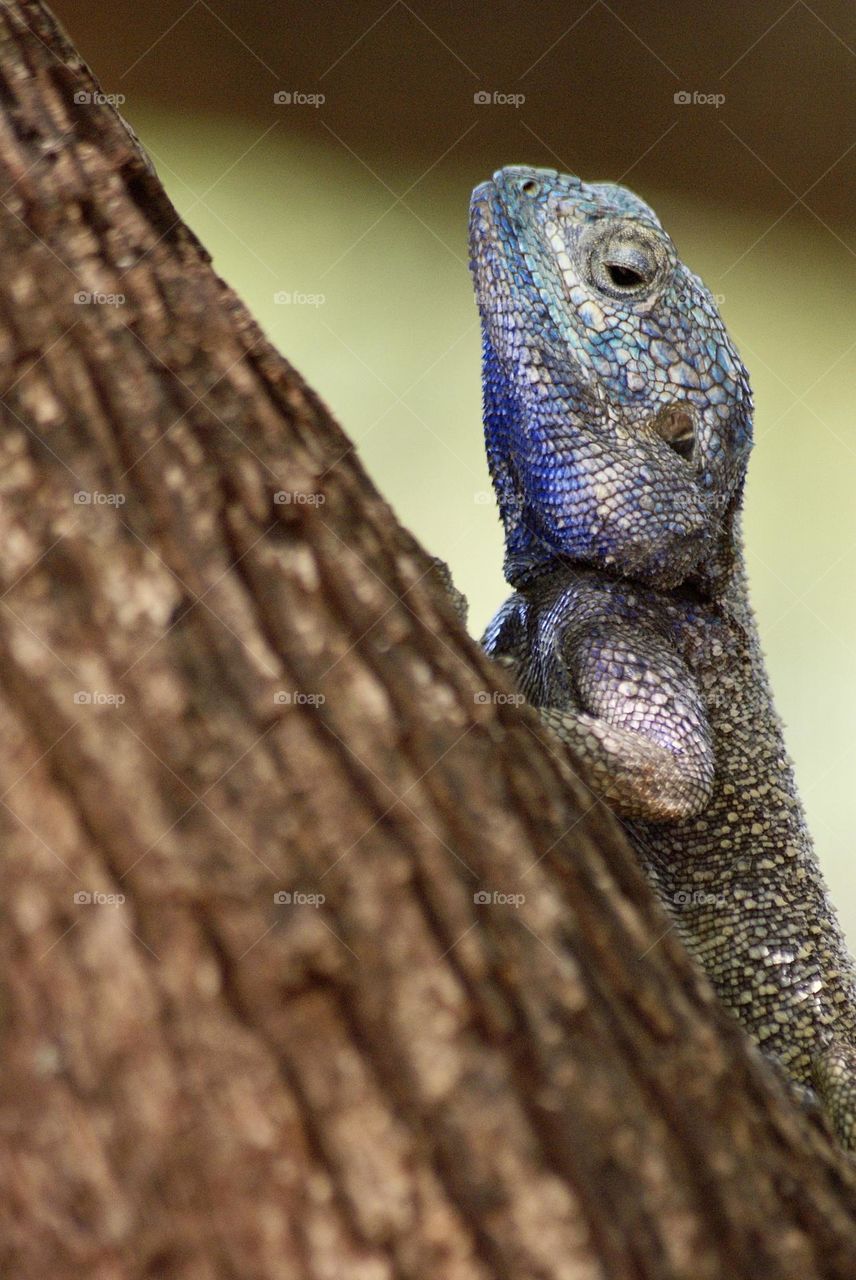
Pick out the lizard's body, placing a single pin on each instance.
(618, 421)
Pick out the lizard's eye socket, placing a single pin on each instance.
(530, 187)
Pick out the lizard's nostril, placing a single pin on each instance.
(676, 425)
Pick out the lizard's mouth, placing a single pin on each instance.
(676, 425)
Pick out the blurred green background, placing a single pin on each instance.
(343, 225)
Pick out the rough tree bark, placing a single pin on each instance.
(200, 1079)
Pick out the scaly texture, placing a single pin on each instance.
(618, 424)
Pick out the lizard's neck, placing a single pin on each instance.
(518, 445)
(721, 578)
(720, 581)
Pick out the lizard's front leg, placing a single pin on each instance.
(633, 715)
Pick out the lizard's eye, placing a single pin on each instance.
(530, 187)
(624, 277)
(621, 260)
(626, 268)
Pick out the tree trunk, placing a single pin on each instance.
(255, 784)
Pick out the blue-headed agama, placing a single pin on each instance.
(618, 423)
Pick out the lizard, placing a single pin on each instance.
(618, 427)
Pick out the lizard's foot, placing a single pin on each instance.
(834, 1077)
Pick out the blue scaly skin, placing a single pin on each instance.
(618, 421)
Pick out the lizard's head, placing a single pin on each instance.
(617, 410)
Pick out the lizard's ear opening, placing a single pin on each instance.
(676, 425)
